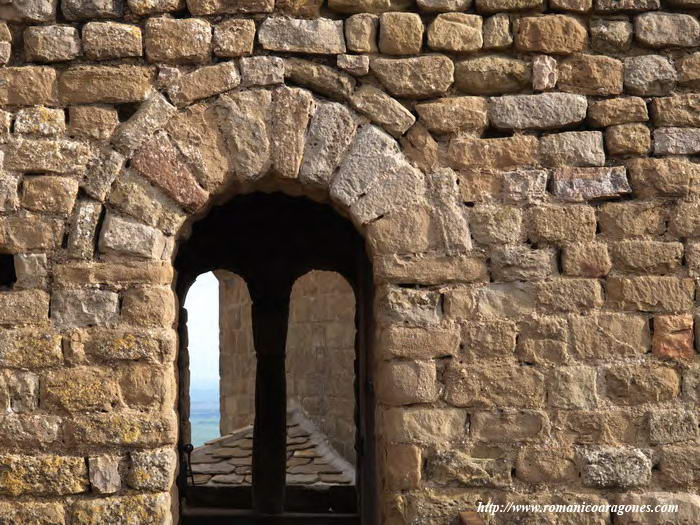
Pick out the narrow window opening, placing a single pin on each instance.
(8, 276)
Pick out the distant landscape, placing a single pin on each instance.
(204, 414)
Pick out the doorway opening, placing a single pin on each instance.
(296, 426)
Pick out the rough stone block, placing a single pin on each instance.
(651, 294)
(84, 307)
(152, 470)
(609, 336)
(543, 111)
(356, 65)
(521, 263)
(234, 38)
(496, 224)
(636, 385)
(673, 337)
(91, 9)
(660, 30)
(404, 466)
(416, 307)
(149, 306)
(145, 509)
(428, 425)
(129, 237)
(453, 114)
(649, 75)
(213, 7)
(204, 82)
(456, 33)
(177, 41)
(110, 40)
(417, 343)
(382, 109)
(611, 6)
(495, 6)
(508, 425)
(105, 84)
(581, 184)
(81, 239)
(51, 43)
(417, 77)
(653, 177)
(150, 7)
(497, 32)
(536, 464)
(361, 33)
(30, 11)
(572, 387)
(407, 382)
(689, 70)
(632, 219)
(28, 86)
(42, 475)
(79, 389)
(97, 122)
(519, 151)
(19, 393)
(562, 223)
(104, 474)
(569, 295)
(676, 141)
(492, 75)
(589, 259)
(261, 71)
(31, 270)
(616, 468)
(322, 79)
(454, 466)
(591, 75)
(647, 256)
(574, 148)
(151, 116)
(628, 139)
(24, 307)
(679, 110)
(603, 113)
(551, 34)
(400, 33)
(50, 194)
(672, 426)
(611, 36)
(126, 428)
(40, 120)
(320, 36)
(291, 110)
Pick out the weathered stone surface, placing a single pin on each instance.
(82, 9)
(456, 32)
(582, 184)
(301, 8)
(381, 109)
(537, 465)
(29, 348)
(415, 307)
(152, 470)
(543, 111)
(591, 75)
(105, 84)
(689, 70)
(101, 173)
(444, 5)
(569, 295)
(679, 110)
(97, 122)
(455, 466)
(84, 307)
(418, 77)
(149, 306)
(400, 33)
(357, 65)
(650, 294)
(243, 118)
(407, 382)
(361, 33)
(151, 116)
(204, 82)
(673, 336)
(322, 79)
(122, 428)
(573, 387)
(524, 185)
(29, 11)
(261, 71)
(145, 509)
(586, 260)
(575, 148)
(652, 177)
(418, 343)
(609, 336)
(544, 73)
(453, 114)
(104, 474)
(649, 75)
(619, 468)
(495, 6)
(516, 263)
(628, 139)
(28, 86)
(429, 269)
(234, 37)
(503, 153)
(33, 512)
(614, 111)
(492, 75)
(632, 219)
(19, 234)
(687, 505)
(676, 141)
(497, 33)
(370, 6)
(667, 30)
(562, 223)
(177, 41)
(331, 131)
(109, 40)
(40, 120)
(42, 475)
(81, 240)
(159, 162)
(79, 389)
(504, 386)
(404, 466)
(118, 272)
(50, 155)
(19, 393)
(291, 110)
(611, 36)
(149, 7)
(672, 426)
(555, 34)
(318, 36)
(420, 148)
(50, 194)
(607, 6)
(495, 224)
(51, 43)
(429, 425)
(508, 425)
(125, 236)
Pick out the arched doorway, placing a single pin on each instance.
(270, 241)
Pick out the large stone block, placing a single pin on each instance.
(536, 464)
(322, 79)
(508, 425)
(543, 111)
(400, 33)
(144, 509)
(492, 75)
(415, 307)
(30, 348)
(519, 151)
(456, 467)
(632, 219)
(40, 120)
(51, 43)
(19, 392)
(361, 32)
(651, 294)
(317, 36)
(453, 114)
(456, 33)
(124, 236)
(572, 387)
(152, 470)
(427, 425)
(32, 512)
(234, 37)
(418, 77)
(672, 426)
(204, 82)
(640, 384)
(679, 110)
(653, 177)
(591, 75)
(522, 263)
(676, 141)
(609, 112)
(214, 7)
(417, 343)
(404, 466)
(24, 307)
(647, 256)
(149, 7)
(80, 389)
(127, 428)
(42, 475)
(91, 9)
(649, 75)
(628, 139)
(574, 148)
(496, 224)
(552, 34)
(151, 116)
(149, 306)
(177, 41)
(407, 382)
(660, 30)
(28, 86)
(616, 468)
(569, 295)
(609, 336)
(97, 122)
(105, 84)
(29, 11)
(382, 109)
(83, 307)
(582, 184)
(104, 474)
(673, 337)
(562, 223)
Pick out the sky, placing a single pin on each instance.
(202, 304)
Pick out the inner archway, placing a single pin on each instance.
(270, 241)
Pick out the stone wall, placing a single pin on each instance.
(236, 354)
(321, 356)
(525, 176)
